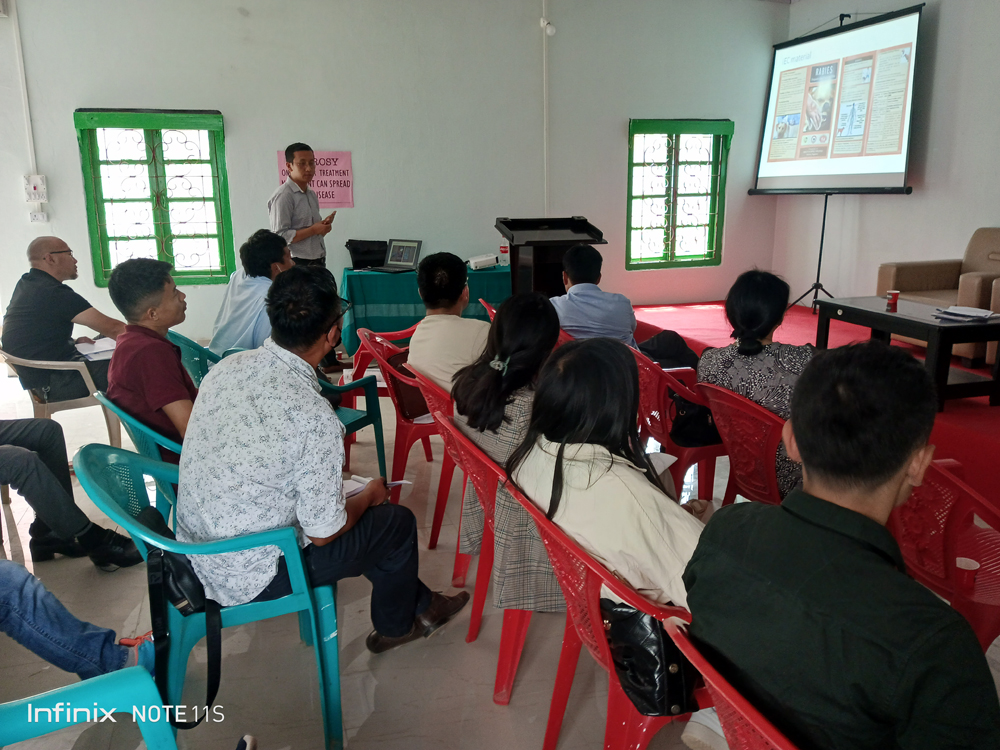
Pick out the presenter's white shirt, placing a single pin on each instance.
(444, 344)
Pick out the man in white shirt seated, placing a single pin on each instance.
(242, 321)
(263, 450)
(586, 312)
(444, 341)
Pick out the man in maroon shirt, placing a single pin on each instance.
(146, 377)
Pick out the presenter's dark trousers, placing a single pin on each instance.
(381, 546)
(33, 461)
(321, 262)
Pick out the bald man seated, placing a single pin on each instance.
(39, 323)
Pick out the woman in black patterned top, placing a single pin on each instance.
(493, 398)
(756, 367)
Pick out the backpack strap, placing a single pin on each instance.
(158, 609)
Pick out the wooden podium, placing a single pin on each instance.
(537, 247)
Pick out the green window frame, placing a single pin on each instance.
(156, 187)
(676, 192)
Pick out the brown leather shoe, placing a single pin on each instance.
(442, 609)
(378, 643)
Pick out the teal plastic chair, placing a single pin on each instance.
(113, 480)
(354, 419)
(147, 442)
(127, 691)
(196, 358)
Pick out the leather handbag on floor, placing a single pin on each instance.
(172, 581)
(653, 673)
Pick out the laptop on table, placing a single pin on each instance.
(403, 256)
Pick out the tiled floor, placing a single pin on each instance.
(431, 694)
(435, 693)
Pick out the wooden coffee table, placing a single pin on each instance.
(916, 320)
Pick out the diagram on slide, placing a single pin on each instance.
(851, 107)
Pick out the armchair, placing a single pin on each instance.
(968, 282)
(45, 409)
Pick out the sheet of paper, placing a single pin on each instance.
(355, 484)
(102, 348)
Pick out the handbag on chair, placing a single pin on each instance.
(654, 674)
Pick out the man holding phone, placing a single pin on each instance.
(294, 209)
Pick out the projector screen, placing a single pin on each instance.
(838, 109)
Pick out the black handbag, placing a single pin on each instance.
(691, 425)
(172, 580)
(653, 673)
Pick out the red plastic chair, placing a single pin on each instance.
(751, 435)
(744, 726)
(655, 422)
(645, 331)
(580, 578)
(362, 359)
(490, 310)
(485, 476)
(438, 400)
(937, 525)
(409, 407)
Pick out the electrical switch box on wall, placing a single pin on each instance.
(34, 188)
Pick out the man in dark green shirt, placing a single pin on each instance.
(806, 607)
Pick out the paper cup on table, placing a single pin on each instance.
(965, 572)
(892, 299)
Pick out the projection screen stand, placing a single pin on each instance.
(817, 287)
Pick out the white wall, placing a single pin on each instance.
(954, 159)
(440, 102)
(611, 61)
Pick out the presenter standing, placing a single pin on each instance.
(294, 209)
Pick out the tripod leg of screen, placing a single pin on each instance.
(817, 287)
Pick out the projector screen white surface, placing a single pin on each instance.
(838, 110)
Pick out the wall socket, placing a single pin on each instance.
(34, 189)
(39, 216)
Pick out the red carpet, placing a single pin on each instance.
(968, 430)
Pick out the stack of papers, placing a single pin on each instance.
(102, 348)
(964, 314)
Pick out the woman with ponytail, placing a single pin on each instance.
(493, 398)
(756, 367)
(582, 463)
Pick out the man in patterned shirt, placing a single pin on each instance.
(264, 450)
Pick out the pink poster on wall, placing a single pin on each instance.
(333, 182)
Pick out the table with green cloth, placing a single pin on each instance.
(384, 302)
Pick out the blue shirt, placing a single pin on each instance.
(585, 312)
(242, 320)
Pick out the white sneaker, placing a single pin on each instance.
(704, 731)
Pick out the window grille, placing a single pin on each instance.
(156, 187)
(676, 192)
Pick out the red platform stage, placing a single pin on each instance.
(968, 430)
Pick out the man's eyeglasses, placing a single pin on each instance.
(345, 305)
(57, 252)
